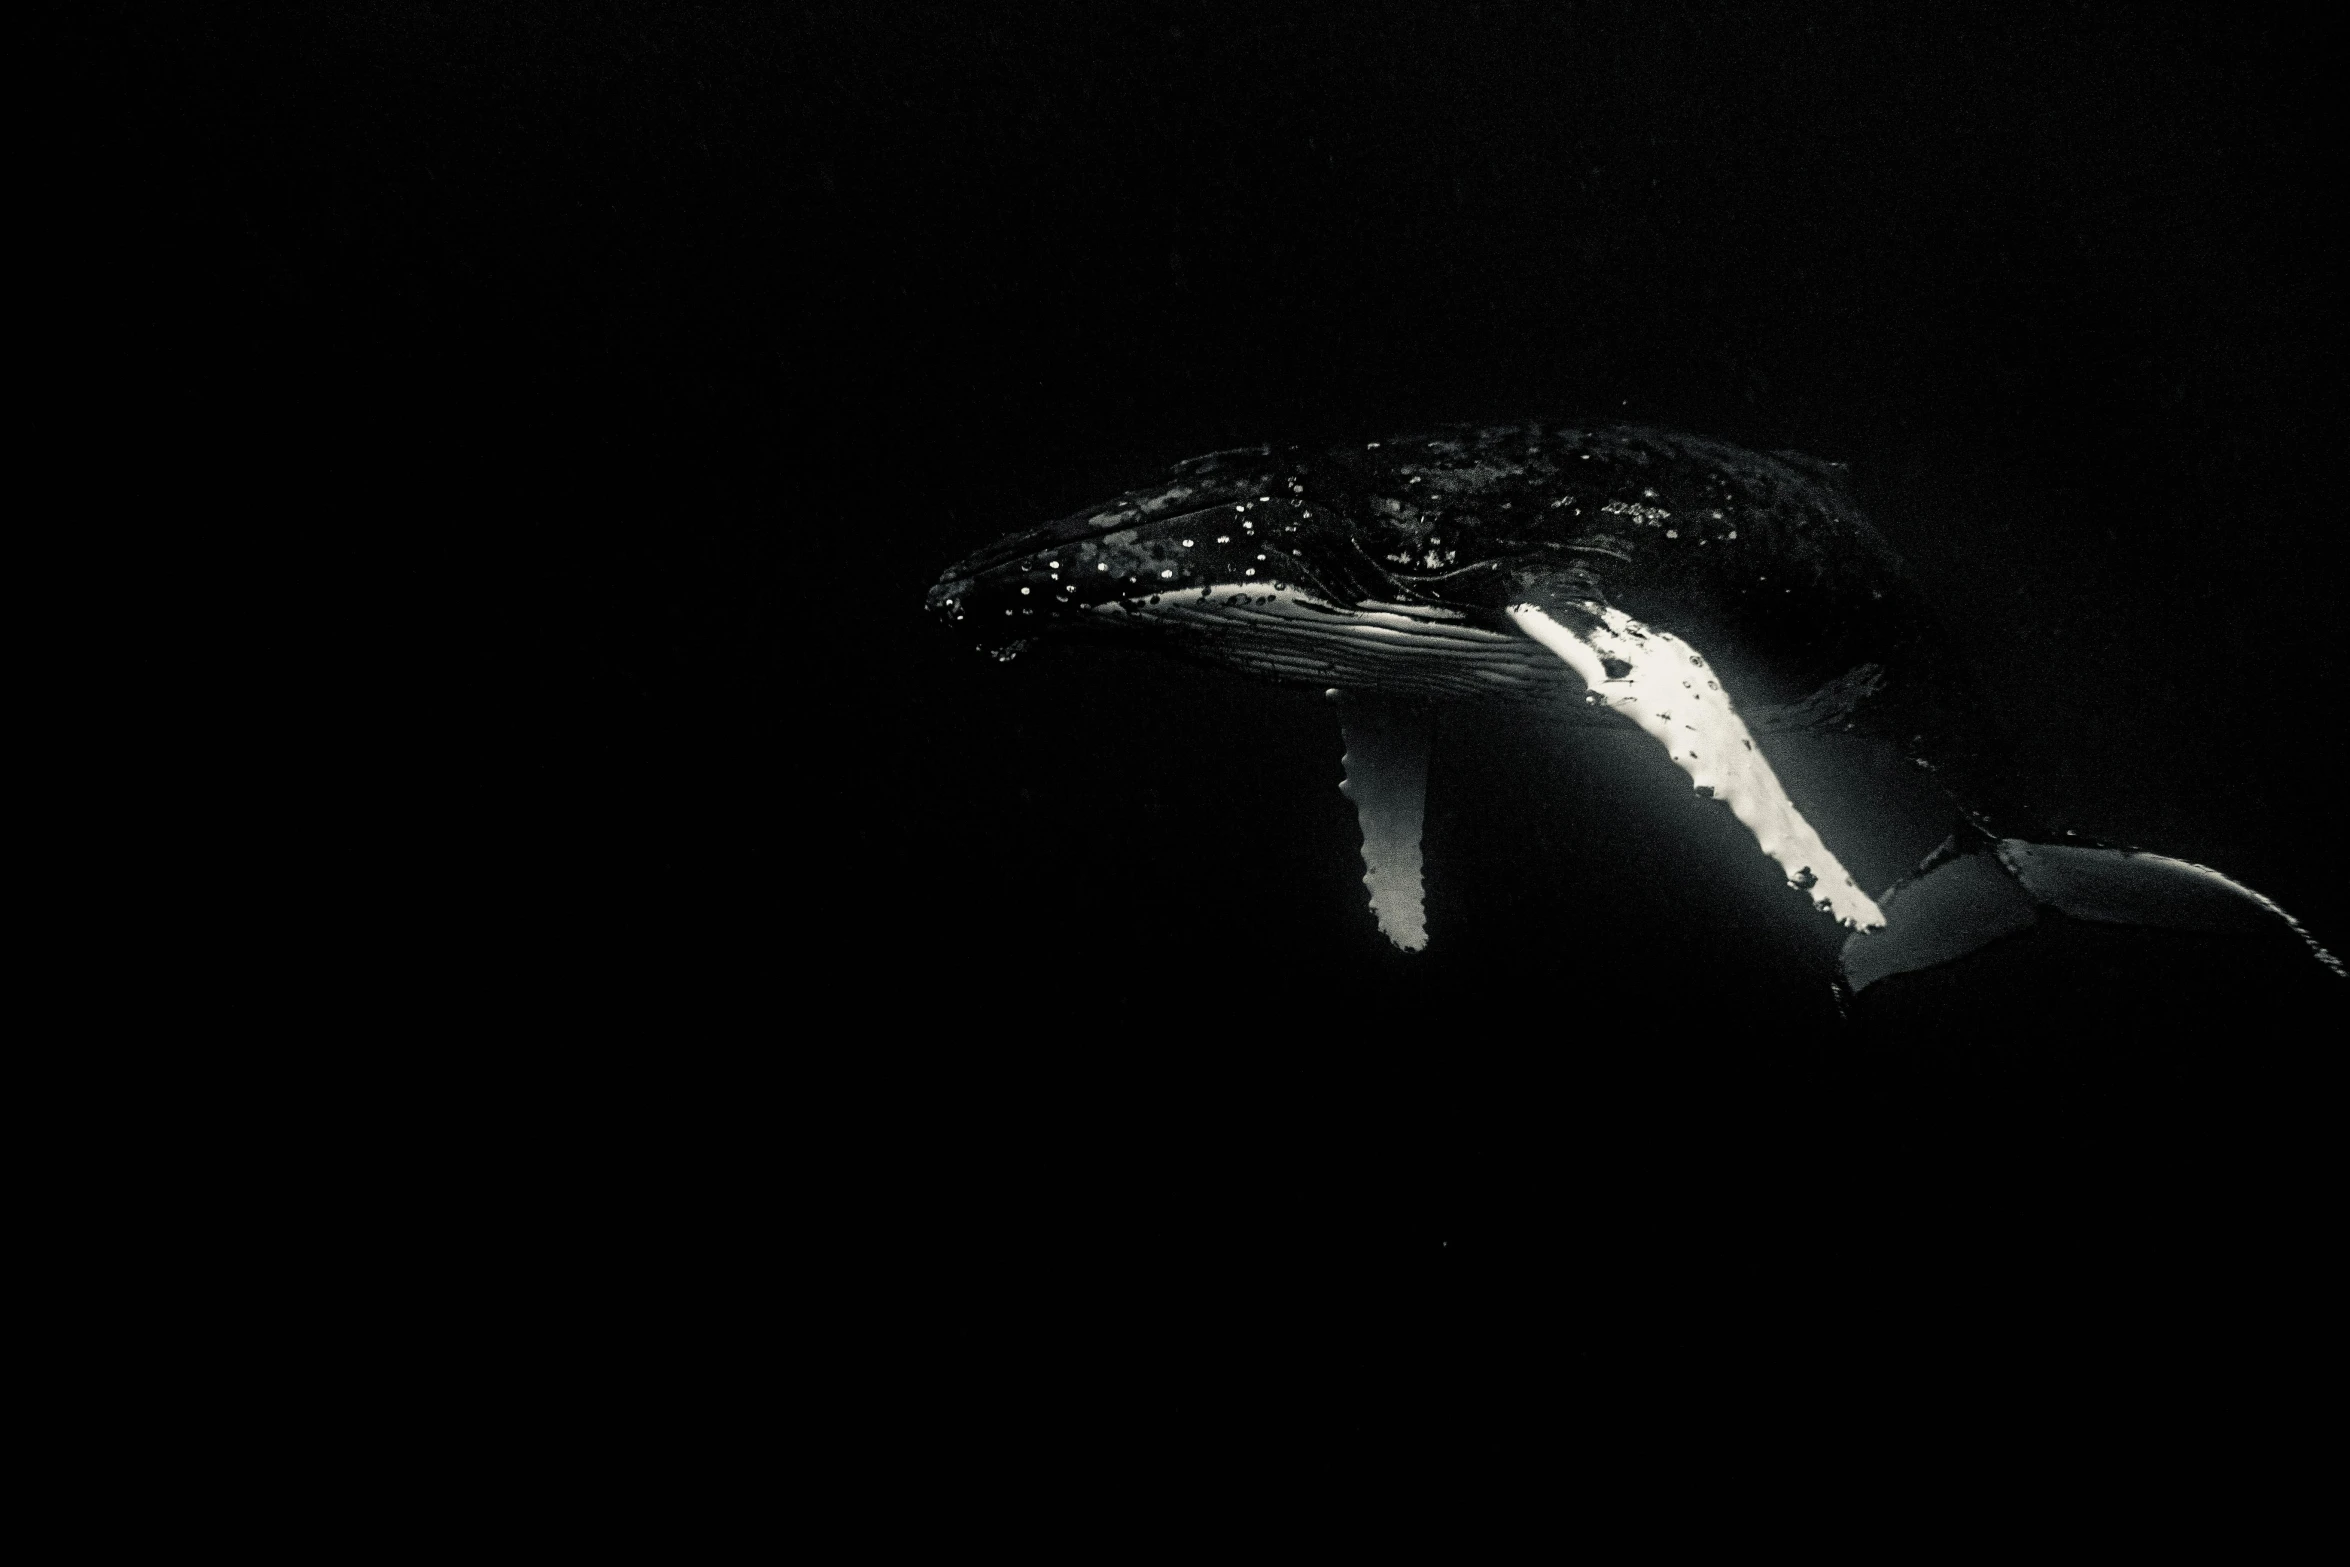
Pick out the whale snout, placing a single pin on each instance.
(1004, 601)
(947, 596)
(1060, 578)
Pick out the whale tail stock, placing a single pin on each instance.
(1962, 898)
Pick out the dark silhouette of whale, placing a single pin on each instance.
(1733, 606)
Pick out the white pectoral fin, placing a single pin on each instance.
(1387, 779)
(1665, 686)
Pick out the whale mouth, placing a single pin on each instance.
(1420, 651)
(947, 592)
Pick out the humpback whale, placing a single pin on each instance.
(1737, 609)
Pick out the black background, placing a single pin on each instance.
(581, 399)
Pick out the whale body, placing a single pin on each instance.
(1730, 606)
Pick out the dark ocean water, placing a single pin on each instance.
(610, 390)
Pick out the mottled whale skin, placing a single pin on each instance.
(1609, 573)
(1764, 560)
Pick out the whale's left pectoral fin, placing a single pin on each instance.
(1387, 779)
(1666, 687)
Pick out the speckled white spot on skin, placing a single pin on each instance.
(1708, 741)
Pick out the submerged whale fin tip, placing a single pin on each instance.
(1386, 765)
